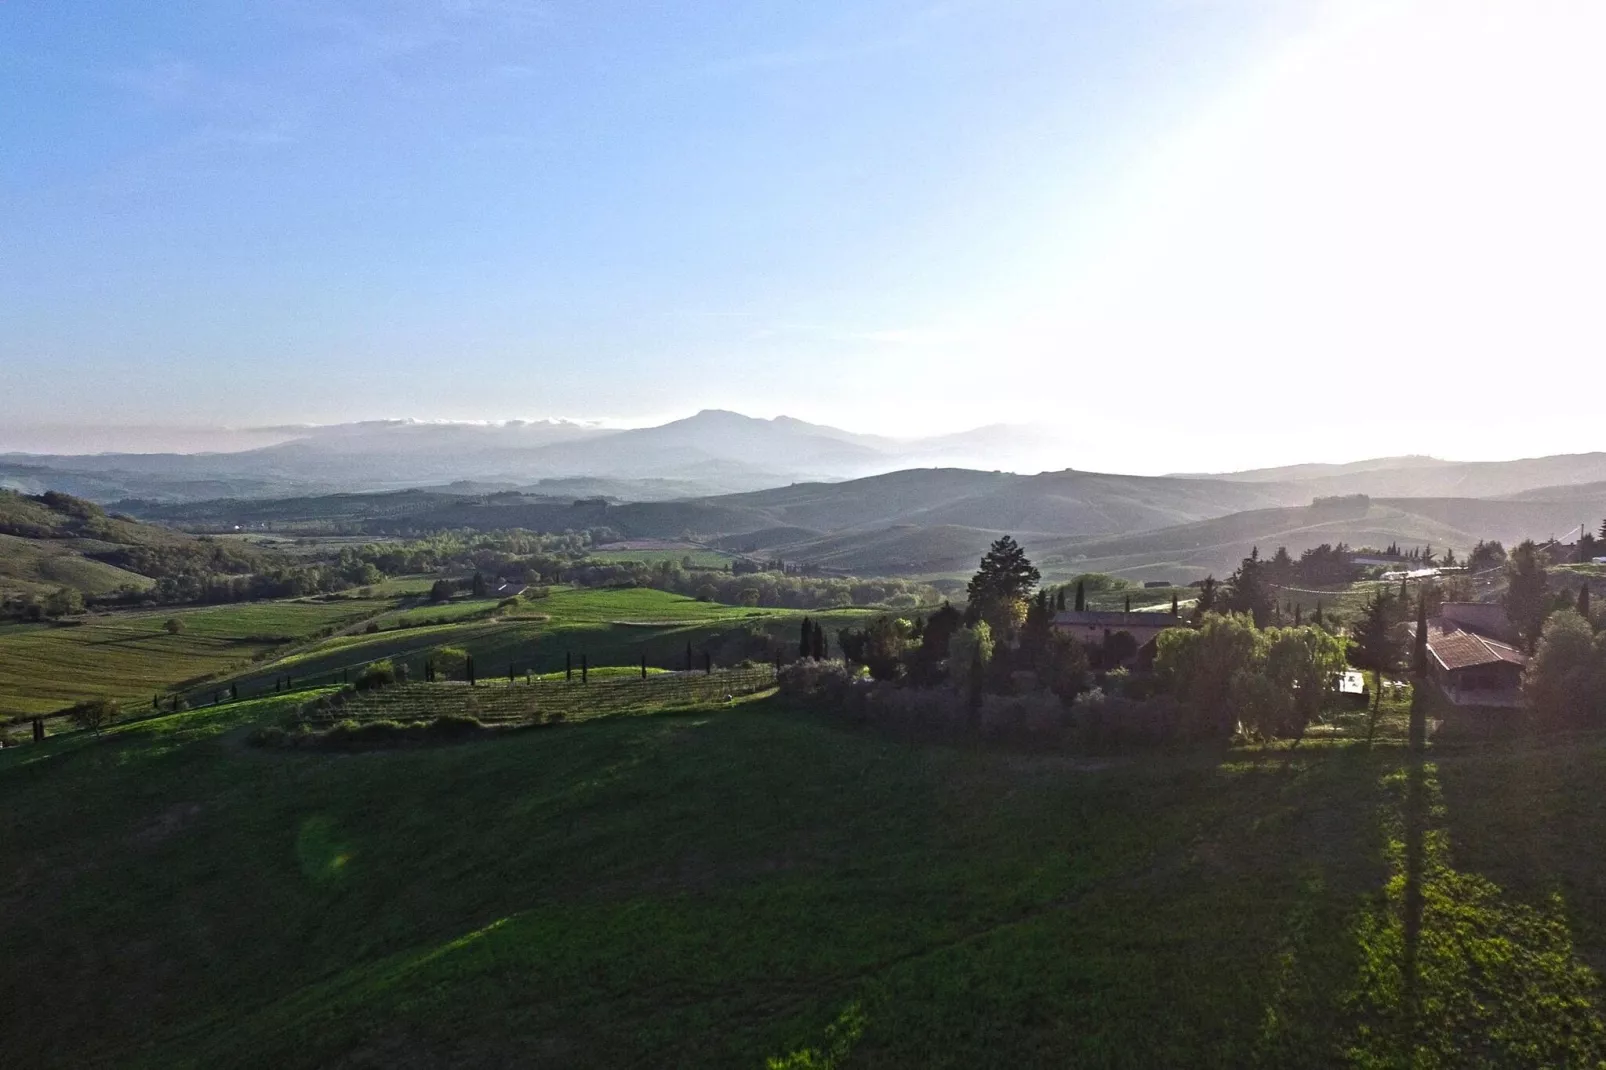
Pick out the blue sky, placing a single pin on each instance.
(894, 216)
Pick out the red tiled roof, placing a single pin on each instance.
(1456, 648)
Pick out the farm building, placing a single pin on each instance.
(1472, 657)
(1094, 627)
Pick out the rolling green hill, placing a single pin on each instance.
(39, 566)
(716, 888)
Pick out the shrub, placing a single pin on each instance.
(1101, 720)
(174, 625)
(372, 628)
(450, 662)
(94, 713)
(825, 680)
(451, 726)
(1564, 681)
(969, 653)
(1038, 717)
(379, 674)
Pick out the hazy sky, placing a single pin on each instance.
(1188, 234)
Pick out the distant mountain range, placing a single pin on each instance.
(808, 492)
(712, 452)
(937, 521)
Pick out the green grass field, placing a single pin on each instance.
(610, 626)
(717, 888)
(130, 656)
(431, 612)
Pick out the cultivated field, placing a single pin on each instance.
(716, 888)
(543, 700)
(613, 626)
(131, 656)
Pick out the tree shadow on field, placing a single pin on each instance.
(1456, 970)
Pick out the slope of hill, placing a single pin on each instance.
(1065, 502)
(1055, 503)
(901, 550)
(55, 540)
(39, 566)
(1427, 477)
(718, 889)
(1192, 551)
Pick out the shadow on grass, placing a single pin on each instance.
(1456, 970)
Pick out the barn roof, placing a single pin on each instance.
(1457, 648)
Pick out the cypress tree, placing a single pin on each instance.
(469, 669)
(1081, 595)
(1129, 603)
(1297, 609)
(234, 692)
(585, 668)
(643, 664)
(1176, 606)
(805, 645)
(1583, 601)
(1316, 617)
(1420, 661)
(1059, 600)
(1405, 592)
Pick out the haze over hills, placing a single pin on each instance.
(711, 452)
(934, 521)
(1429, 477)
(837, 499)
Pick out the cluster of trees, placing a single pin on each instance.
(1232, 676)
(1566, 681)
(1486, 555)
(62, 602)
(1422, 555)
(1006, 629)
(1226, 675)
(1252, 588)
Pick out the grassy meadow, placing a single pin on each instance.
(718, 887)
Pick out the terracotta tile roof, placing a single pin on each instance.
(1457, 648)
